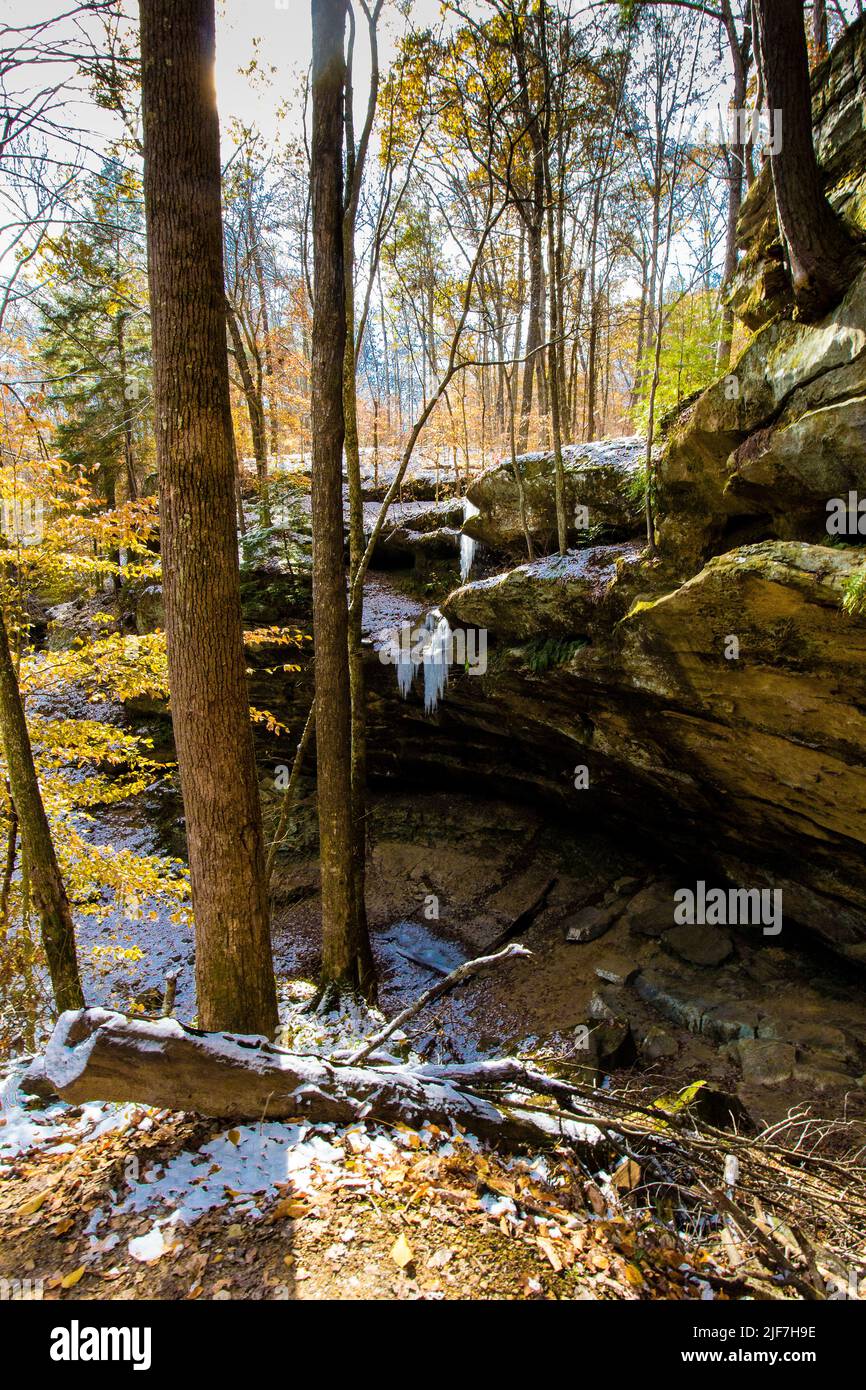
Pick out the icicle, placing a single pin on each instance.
(405, 676)
(435, 656)
(467, 544)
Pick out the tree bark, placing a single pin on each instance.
(46, 883)
(207, 668)
(128, 440)
(822, 256)
(346, 960)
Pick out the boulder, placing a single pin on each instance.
(560, 595)
(651, 911)
(414, 529)
(657, 1045)
(766, 1063)
(699, 944)
(773, 441)
(604, 477)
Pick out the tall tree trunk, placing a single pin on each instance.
(822, 256)
(255, 411)
(355, 164)
(46, 883)
(345, 957)
(740, 50)
(533, 334)
(270, 372)
(207, 669)
(554, 346)
(128, 441)
(356, 619)
(819, 27)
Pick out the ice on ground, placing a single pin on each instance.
(25, 1127)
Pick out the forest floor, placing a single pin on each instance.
(120, 1202)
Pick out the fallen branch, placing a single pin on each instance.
(466, 971)
(773, 1251)
(94, 1054)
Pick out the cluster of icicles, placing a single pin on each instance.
(432, 653)
(467, 544)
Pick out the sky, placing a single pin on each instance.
(274, 33)
(283, 29)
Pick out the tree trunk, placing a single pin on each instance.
(128, 441)
(207, 668)
(355, 164)
(46, 883)
(345, 962)
(356, 619)
(533, 364)
(99, 1055)
(822, 257)
(256, 412)
(819, 27)
(740, 50)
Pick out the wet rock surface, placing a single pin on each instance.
(449, 874)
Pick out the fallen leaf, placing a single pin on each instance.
(401, 1252)
(627, 1175)
(548, 1249)
(32, 1204)
(70, 1280)
(291, 1208)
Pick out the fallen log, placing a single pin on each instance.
(95, 1054)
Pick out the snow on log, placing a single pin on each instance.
(95, 1054)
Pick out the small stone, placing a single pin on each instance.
(590, 923)
(673, 999)
(617, 970)
(766, 1063)
(822, 1078)
(614, 1044)
(599, 1008)
(699, 945)
(657, 1045)
(729, 1022)
(651, 911)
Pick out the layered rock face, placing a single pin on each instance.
(711, 705)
